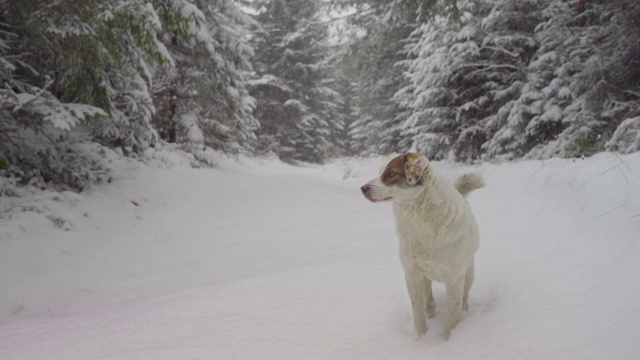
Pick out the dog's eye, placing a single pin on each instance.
(391, 174)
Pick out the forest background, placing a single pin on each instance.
(312, 80)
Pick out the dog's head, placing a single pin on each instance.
(400, 180)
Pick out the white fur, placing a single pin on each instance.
(438, 239)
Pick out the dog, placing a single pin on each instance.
(437, 231)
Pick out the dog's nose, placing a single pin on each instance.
(365, 189)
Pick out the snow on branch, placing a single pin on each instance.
(62, 116)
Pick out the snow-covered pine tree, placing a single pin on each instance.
(203, 99)
(511, 79)
(535, 116)
(428, 123)
(345, 87)
(102, 54)
(297, 106)
(75, 64)
(36, 145)
(582, 83)
(462, 73)
(372, 67)
(605, 80)
(374, 48)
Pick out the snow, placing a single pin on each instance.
(189, 121)
(262, 260)
(62, 116)
(626, 138)
(564, 93)
(468, 32)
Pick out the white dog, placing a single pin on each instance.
(437, 231)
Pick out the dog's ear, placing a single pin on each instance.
(415, 166)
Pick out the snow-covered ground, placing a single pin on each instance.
(261, 260)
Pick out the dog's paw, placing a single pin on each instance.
(420, 333)
(421, 330)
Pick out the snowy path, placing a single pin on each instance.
(267, 261)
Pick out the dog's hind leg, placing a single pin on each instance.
(415, 287)
(468, 281)
(428, 295)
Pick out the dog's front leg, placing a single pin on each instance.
(430, 302)
(415, 287)
(454, 306)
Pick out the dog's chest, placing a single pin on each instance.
(423, 246)
(419, 229)
(416, 258)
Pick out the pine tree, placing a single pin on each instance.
(297, 105)
(101, 54)
(374, 48)
(581, 83)
(203, 99)
(74, 63)
(500, 78)
(372, 64)
(463, 72)
(604, 50)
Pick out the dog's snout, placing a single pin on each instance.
(365, 189)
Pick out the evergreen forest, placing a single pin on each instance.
(312, 80)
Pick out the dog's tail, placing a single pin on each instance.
(468, 182)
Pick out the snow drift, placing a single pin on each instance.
(259, 259)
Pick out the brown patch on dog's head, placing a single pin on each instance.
(415, 167)
(406, 169)
(394, 171)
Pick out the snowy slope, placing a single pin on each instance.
(260, 260)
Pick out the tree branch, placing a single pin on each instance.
(36, 96)
(487, 67)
